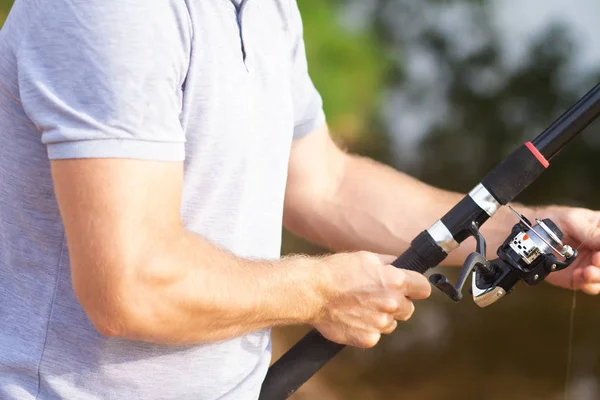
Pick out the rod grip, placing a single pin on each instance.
(411, 260)
(422, 255)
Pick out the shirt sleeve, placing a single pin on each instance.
(308, 105)
(103, 78)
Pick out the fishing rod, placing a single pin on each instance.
(530, 253)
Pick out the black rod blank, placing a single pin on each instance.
(570, 124)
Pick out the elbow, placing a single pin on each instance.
(120, 320)
(119, 287)
(108, 318)
(107, 328)
(109, 306)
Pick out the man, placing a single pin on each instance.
(149, 151)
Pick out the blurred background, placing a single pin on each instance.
(444, 90)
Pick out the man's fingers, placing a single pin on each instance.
(400, 308)
(363, 339)
(390, 328)
(406, 310)
(596, 259)
(590, 288)
(413, 284)
(590, 274)
(386, 304)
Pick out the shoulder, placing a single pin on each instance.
(112, 18)
(99, 31)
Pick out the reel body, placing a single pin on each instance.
(529, 254)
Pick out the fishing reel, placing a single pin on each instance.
(529, 254)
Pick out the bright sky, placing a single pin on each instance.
(522, 19)
(518, 21)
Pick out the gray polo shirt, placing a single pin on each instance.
(224, 89)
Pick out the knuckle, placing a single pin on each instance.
(403, 317)
(591, 289)
(362, 254)
(399, 279)
(589, 275)
(369, 340)
(407, 312)
(391, 305)
(390, 328)
(341, 257)
(381, 321)
(366, 257)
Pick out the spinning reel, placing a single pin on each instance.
(530, 254)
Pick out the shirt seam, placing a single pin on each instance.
(118, 148)
(115, 139)
(60, 258)
(191, 32)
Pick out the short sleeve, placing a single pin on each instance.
(103, 78)
(308, 105)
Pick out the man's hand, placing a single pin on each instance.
(365, 296)
(581, 227)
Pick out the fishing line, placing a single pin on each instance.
(572, 326)
(570, 344)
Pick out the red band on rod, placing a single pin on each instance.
(537, 154)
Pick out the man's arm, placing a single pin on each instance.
(139, 274)
(347, 202)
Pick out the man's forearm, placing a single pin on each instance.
(379, 209)
(187, 291)
(138, 274)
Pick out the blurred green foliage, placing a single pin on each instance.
(349, 68)
(4, 7)
(483, 107)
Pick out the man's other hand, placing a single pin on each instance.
(365, 296)
(581, 228)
